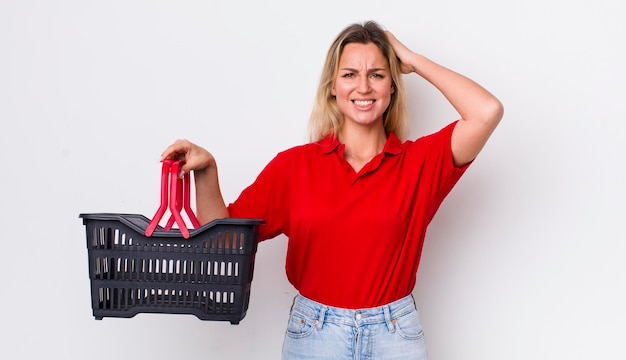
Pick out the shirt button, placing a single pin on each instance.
(358, 316)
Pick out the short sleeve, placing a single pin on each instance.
(266, 198)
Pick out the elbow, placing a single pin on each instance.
(492, 113)
(497, 111)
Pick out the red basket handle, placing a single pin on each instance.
(175, 194)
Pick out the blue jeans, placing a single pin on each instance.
(317, 331)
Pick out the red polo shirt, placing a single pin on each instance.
(355, 239)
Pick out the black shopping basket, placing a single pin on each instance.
(137, 266)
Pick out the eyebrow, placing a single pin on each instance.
(370, 70)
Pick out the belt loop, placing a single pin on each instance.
(390, 324)
(322, 315)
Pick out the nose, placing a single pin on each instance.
(364, 85)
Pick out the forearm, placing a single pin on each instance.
(209, 201)
(471, 101)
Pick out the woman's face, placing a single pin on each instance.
(363, 85)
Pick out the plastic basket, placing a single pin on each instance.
(137, 266)
(208, 274)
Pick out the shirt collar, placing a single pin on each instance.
(393, 146)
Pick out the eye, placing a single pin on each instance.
(377, 76)
(348, 75)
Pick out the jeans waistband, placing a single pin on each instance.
(357, 317)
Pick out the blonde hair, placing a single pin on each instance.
(325, 117)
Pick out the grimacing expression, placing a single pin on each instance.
(363, 85)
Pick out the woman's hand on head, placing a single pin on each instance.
(196, 158)
(404, 54)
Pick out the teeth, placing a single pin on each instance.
(363, 102)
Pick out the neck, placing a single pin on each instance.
(362, 145)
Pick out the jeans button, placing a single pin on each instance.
(358, 316)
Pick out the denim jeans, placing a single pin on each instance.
(316, 331)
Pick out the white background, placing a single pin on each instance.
(523, 261)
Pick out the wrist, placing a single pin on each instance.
(418, 62)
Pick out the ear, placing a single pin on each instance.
(332, 91)
(393, 88)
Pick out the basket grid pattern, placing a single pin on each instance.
(150, 261)
(224, 242)
(125, 299)
(208, 275)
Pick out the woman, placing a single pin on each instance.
(355, 201)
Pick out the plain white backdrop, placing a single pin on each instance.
(523, 261)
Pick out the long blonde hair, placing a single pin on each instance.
(325, 117)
